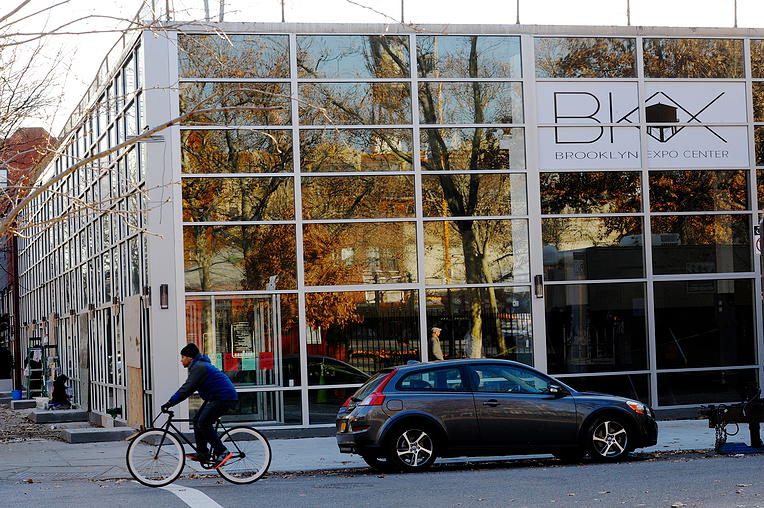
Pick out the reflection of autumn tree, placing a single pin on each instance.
(693, 58)
(598, 192)
(584, 57)
(480, 150)
(673, 191)
(263, 250)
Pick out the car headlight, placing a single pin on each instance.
(638, 407)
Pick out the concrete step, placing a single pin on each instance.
(70, 425)
(96, 434)
(23, 404)
(58, 415)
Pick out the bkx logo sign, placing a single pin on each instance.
(595, 125)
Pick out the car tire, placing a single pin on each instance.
(609, 439)
(380, 464)
(412, 447)
(573, 456)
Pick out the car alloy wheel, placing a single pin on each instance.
(609, 439)
(412, 448)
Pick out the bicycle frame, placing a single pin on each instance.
(169, 425)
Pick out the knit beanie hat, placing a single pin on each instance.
(190, 350)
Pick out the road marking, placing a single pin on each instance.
(192, 497)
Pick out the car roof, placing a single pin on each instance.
(461, 361)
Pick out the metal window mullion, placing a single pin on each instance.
(647, 242)
(533, 192)
(754, 207)
(299, 241)
(420, 285)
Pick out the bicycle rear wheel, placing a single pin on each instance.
(155, 458)
(251, 455)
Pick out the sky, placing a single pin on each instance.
(85, 51)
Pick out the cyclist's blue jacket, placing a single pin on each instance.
(208, 380)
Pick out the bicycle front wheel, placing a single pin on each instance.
(251, 455)
(155, 458)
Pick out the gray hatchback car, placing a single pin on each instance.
(405, 417)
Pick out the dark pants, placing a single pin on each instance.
(204, 425)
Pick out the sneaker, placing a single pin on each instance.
(198, 457)
(222, 459)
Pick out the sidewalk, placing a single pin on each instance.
(59, 461)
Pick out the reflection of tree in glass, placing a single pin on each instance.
(585, 57)
(347, 197)
(460, 194)
(693, 58)
(233, 56)
(695, 190)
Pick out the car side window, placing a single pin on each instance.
(444, 379)
(507, 379)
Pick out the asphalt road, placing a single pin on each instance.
(669, 480)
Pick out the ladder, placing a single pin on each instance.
(34, 368)
(42, 367)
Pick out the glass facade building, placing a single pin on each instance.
(318, 201)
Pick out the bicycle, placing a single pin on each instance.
(156, 457)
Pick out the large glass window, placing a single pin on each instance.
(476, 251)
(280, 407)
(704, 323)
(238, 199)
(679, 388)
(701, 243)
(632, 386)
(360, 253)
(355, 103)
(473, 56)
(595, 327)
(351, 197)
(233, 56)
(230, 258)
(236, 103)
(251, 338)
(356, 150)
(483, 322)
(683, 191)
(585, 57)
(442, 102)
(361, 331)
(474, 194)
(472, 148)
(693, 58)
(757, 58)
(590, 192)
(353, 56)
(236, 151)
(592, 248)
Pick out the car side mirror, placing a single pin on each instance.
(556, 390)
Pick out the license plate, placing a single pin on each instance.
(343, 426)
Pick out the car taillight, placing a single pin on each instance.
(376, 398)
(373, 399)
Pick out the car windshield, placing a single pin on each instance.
(370, 385)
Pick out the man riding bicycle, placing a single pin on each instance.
(219, 396)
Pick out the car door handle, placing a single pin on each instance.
(491, 403)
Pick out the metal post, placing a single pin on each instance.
(518, 12)
(628, 12)
(282, 11)
(402, 2)
(735, 13)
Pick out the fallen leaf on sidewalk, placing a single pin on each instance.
(744, 484)
(29, 480)
(678, 505)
